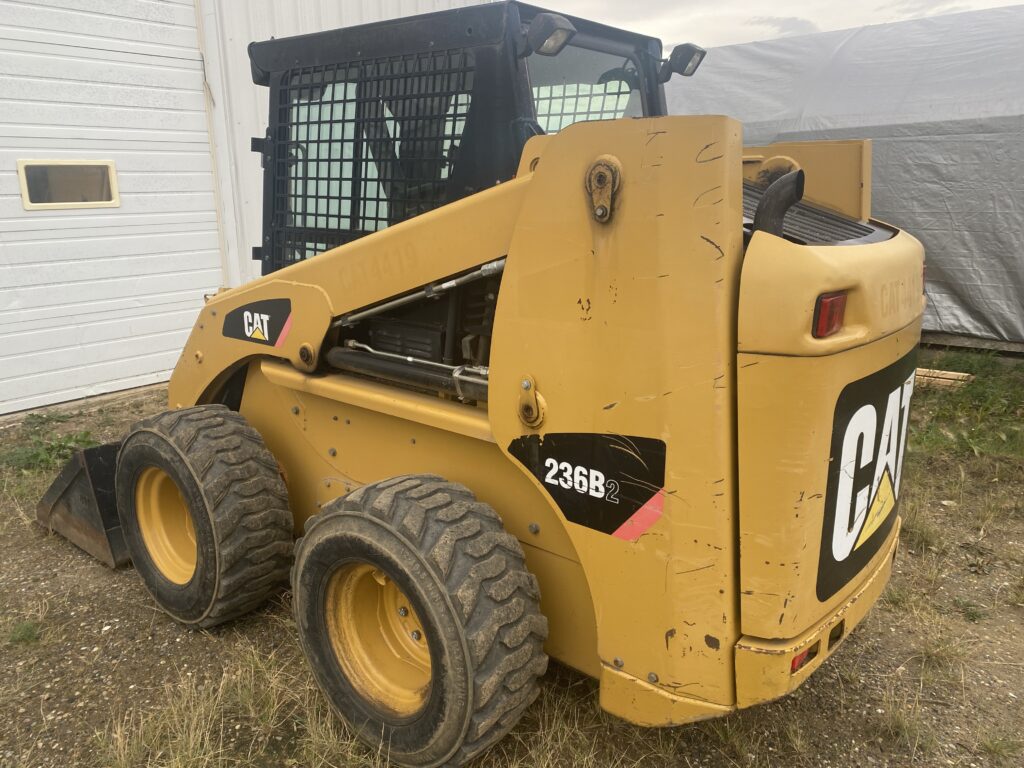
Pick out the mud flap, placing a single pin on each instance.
(81, 506)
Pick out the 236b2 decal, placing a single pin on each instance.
(611, 483)
(581, 479)
(869, 437)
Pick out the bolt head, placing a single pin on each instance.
(332, 452)
(534, 528)
(652, 677)
(601, 211)
(295, 410)
(416, 635)
(526, 385)
(403, 611)
(618, 662)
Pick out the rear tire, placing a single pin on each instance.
(421, 550)
(204, 513)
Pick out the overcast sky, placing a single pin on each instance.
(721, 22)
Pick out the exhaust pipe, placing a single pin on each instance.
(781, 195)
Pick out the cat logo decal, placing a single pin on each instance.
(869, 437)
(263, 322)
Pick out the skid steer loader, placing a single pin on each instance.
(534, 370)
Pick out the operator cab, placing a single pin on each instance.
(371, 125)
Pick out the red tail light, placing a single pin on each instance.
(829, 313)
(803, 657)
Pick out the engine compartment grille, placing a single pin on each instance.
(810, 224)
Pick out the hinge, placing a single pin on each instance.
(603, 180)
(532, 408)
(262, 145)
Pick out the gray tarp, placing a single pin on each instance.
(942, 98)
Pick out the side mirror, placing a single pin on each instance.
(683, 60)
(548, 34)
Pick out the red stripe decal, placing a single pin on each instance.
(284, 331)
(642, 519)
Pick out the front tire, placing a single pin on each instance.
(419, 619)
(204, 512)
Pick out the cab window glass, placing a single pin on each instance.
(581, 84)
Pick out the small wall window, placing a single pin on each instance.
(55, 184)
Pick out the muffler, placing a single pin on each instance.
(781, 195)
(81, 505)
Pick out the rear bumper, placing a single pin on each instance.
(763, 667)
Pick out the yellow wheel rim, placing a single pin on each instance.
(378, 639)
(166, 525)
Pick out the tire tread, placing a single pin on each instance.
(484, 571)
(248, 503)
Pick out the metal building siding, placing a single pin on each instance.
(95, 300)
(239, 108)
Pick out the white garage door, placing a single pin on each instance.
(102, 272)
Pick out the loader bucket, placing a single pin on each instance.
(81, 506)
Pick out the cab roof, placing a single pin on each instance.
(469, 27)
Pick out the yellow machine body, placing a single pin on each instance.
(658, 327)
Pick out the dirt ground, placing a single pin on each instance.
(92, 674)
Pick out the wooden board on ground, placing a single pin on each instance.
(929, 377)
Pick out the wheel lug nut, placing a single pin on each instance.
(403, 611)
(416, 635)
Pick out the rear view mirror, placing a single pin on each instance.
(683, 60)
(548, 34)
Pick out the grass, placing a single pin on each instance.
(898, 596)
(985, 417)
(920, 533)
(24, 633)
(971, 611)
(45, 453)
(30, 453)
(25, 626)
(261, 707)
(930, 573)
(895, 690)
(736, 740)
(941, 653)
(39, 443)
(265, 709)
(901, 720)
(1016, 595)
(39, 419)
(796, 739)
(999, 746)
